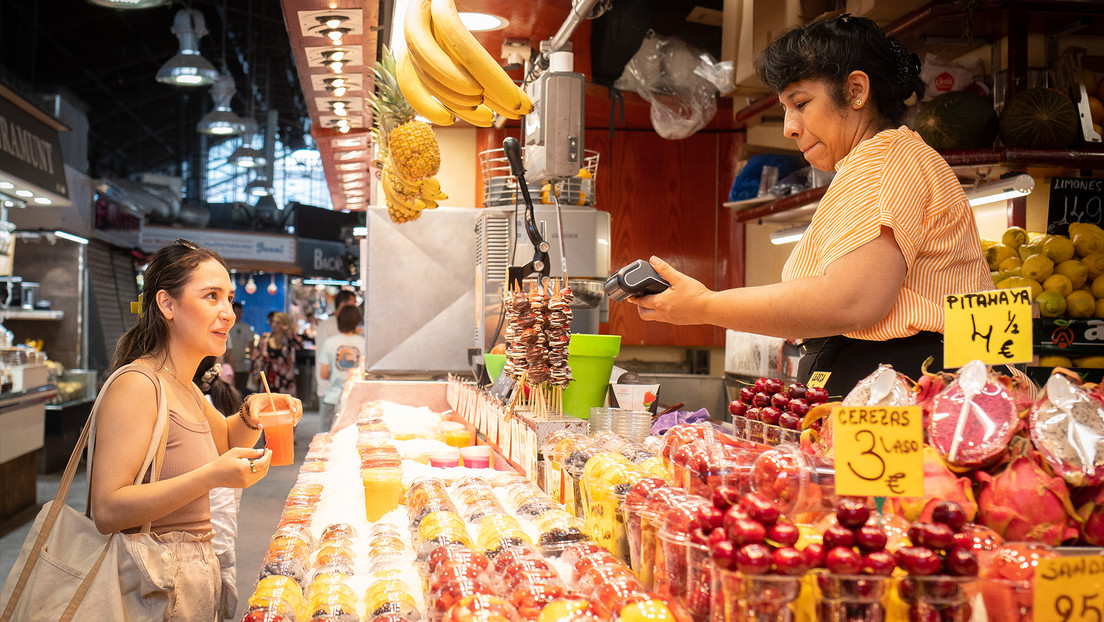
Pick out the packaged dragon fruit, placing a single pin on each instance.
(883, 387)
(1067, 426)
(974, 418)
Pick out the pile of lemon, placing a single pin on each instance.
(1065, 274)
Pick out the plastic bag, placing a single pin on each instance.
(974, 418)
(943, 76)
(1067, 426)
(681, 84)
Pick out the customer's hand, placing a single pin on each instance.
(257, 403)
(681, 303)
(241, 467)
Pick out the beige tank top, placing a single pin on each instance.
(188, 447)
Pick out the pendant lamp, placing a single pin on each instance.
(188, 68)
(221, 121)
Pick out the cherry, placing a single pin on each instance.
(747, 531)
(699, 536)
(770, 415)
(923, 612)
(761, 399)
(784, 534)
(852, 513)
(717, 535)
(798, 406)
(760, 508)
(760, 385)
(962, 563)
(950, 514)
(789, 421)
(731, 516)
(774, 385)
(746, 394)
(871, 538)
(918, 560)
(838, 536)
(723, 554)
(725, 496)
(816, 395)
(708, 517)
(736, 408)
(880, 563)
(752, 414)
(797, 390)
(780, 400)
(843, 560)
(936, 536)
(788, 561)
(753, 558)
(814, 555)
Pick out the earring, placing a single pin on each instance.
(858, 102)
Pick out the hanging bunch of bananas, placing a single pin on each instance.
(447, 73)
(407, 148)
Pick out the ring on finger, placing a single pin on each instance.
(252, 466)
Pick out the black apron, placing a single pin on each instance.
(850, 360)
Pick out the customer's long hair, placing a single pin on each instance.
(169, 269)
(226, 398)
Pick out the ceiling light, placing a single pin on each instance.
(331, 21)
(72, 238)
(337, 54)
(259, 187)
(344, 129)
(1001, 189)
(246, 156)
(787, 236)
(479, 22)
(352, 166)
(342, 123)
(351, 155)
(188, 68)
(348, 142)
(334, 34)
(221, 121)
(129, 4)
(334, 65)
(26, 194)
(337, 90)
(42, 201)
(6, 185)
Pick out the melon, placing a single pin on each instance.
(957, 120)
(1038, 118)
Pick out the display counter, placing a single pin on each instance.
(22, 419)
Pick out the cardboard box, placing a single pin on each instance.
(884, 11)
(759, 24)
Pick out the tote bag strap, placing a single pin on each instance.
(156, 450)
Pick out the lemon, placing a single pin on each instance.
(1080, 304)
(1009, 264)
(1087, 238)
(1055, 361)
(1014, 237)
(1058, 283)
(1074, 270)
(1033, 245)
(1037, 267)
(1089, 361)
(1017, 271)
(1051, 304)
(1019, 281)
(1058, 248)
(998, 253)
(1094, 262)
(1098, 287)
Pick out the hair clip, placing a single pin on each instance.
(845, 18)
(209, 377)
(136, 307)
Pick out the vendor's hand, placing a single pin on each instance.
(241, 467)
(257, 403)
(678, 304)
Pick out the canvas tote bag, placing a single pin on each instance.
(68, 570)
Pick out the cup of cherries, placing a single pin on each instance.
(763, 410)
(855, 567)
(942, 568)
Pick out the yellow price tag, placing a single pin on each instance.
(1069, 589)
(878, 451)
(993, 327)
(818, 379)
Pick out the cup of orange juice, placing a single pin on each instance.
(382, 489)
(279, 431)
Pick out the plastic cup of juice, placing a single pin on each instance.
(279, 431)
(457, 438)
(445, 458)
(476, 456)
(382, 489)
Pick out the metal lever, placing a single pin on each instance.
(540, 263)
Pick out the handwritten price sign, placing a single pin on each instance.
(1069, 589)
(878, 451)
(993, 327)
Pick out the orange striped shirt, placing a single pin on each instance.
(895, 179)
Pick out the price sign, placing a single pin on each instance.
(878, 451)
(818, 379)
(1069, 589)
(993, 327)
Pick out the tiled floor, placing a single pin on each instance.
(260, 511)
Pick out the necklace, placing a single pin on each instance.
(190, 388)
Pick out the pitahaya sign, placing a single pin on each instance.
(992, 326)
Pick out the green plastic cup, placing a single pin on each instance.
(591, 360)
(494, 363)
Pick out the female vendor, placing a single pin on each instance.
(892, 236)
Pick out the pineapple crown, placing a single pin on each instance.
(389, 108)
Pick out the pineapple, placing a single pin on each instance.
(410, 143)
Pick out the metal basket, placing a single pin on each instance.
(500, 187)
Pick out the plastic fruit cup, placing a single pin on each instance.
(382, 488)
(476, 456)
(758, 598)
(457, 438)
(279, 431)
(445, 458)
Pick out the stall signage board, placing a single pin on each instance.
(1069, 589)
(234, 246)
(877, 451)
(30, 151)
(1074, 199)
(323, 259)
(992, 326)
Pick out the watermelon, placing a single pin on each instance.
(1038, 118)
(957, 120)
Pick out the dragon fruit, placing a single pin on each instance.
(1067, 426)
(940, 484)
(1027, 502)
(973, 419)
(1090, 509)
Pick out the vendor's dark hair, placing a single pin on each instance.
(831, 49)
(348, 318)
(225, 397)
(169, 269)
